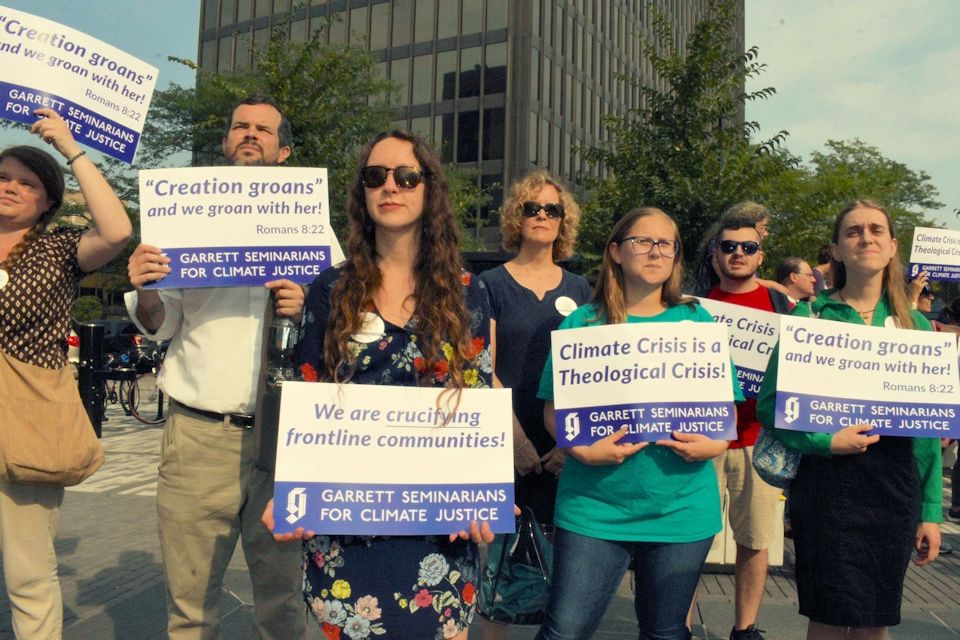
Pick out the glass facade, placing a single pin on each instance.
(498, 86)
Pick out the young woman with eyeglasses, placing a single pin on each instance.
(860, 503)
(400, 311)
(529, 295)
(655, 506)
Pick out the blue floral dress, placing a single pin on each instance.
(412, 588)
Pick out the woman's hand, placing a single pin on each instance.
(54, 130)
(927, 543)
(269, 523)
(916, 286)
(478, 533)
(553, 461)
(694, 447)
(526, 459)
(288, 298)
(850, 440)
(607, 450)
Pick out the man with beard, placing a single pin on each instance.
(737, 256)
(209, 491)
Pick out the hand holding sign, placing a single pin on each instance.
(851, 440)
(608, 450)
(146, 264)
(54, 130)
(694, 447)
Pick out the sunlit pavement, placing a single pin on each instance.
(112, 579)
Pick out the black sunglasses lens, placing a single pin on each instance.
(553, 210)
(730, 246)
(750, 248)
(407, 177)
(531, 209)
(373, 177)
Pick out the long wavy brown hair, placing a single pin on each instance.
(893, 281)
(47, 170)
(440, 312)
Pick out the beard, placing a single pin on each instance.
(738, 276)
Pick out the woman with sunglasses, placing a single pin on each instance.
(400, 311)
(656, 506)
(860, 503)
(529, 295)
(40, 271)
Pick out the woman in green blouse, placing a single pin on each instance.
(860, 503)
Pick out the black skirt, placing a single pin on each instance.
(854, 523)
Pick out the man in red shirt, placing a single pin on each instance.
(736, 259)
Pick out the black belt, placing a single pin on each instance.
(236, 419)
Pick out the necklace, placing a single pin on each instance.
(863, 314)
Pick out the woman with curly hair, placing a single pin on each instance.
(400, 311)
(529, 296)
(861, 502)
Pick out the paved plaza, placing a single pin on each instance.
(112, 578)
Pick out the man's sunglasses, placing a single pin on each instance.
(553, 210)
(730, 246)
(406, 177)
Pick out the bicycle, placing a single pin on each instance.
(145, 397)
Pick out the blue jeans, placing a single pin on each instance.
(587, 572)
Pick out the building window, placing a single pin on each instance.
(422, 79)
(470, 72)
(402, 15)
(208, 55)
(495, 75)
(210, 14)
(228, 12)
(472, 17)
(242, 52)
(493, 133)
(468, 136)
(446, 75)
(358, 26)
(532, 146)
(423, 17)
(244, 10)
(225, 56)
(379, 27)
(448, 19)
(262, 8)
(497, 17)
(445, 137)
(399, 73)
(421, 126)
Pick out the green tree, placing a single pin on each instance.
(332, 95)
(806, 199)
(687, 149)
(87, 308)
(469, 202)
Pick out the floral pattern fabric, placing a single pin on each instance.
(413, 588)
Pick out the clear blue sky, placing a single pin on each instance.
(148, 29)
(884, 71)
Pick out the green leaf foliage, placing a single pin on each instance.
(332, 95)
(687, 149)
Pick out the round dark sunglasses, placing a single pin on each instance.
(730, 246)
(553, 209)
(406, 177)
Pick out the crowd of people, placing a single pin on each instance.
(860, 505)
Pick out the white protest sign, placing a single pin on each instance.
(654, 378)
(378, 460)
(101, 92)
(936, 251)
(832, 375)
(238, 226)
(753, 335)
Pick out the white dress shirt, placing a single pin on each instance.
(214, 356)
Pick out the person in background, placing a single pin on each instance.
(823, 271)
(210, 493)
(797, 278)
(859, 503)
(529, 296)
(40, 272)
(655, 507)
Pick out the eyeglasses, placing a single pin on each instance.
(730, 246)
(641, 245)
(808, 274)
(553, 209)
(406, 177)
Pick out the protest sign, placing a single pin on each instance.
(936, 251)
(101, 92)
(654, 378)
(356, 459)
(832, 375)
(238, 226)
(753, 335)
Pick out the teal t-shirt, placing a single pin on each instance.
(654, 496)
